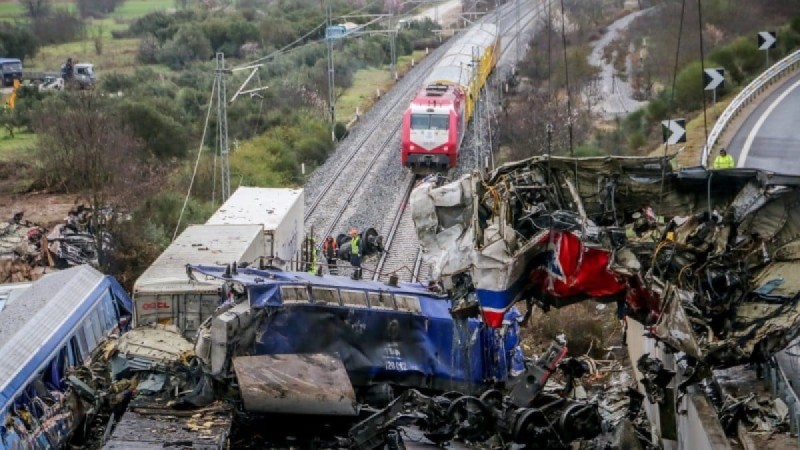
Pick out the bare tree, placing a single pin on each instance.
(36, 9)
(87, 149)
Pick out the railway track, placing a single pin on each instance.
(352, 165)
(403, 255)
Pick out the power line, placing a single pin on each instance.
(196, 163)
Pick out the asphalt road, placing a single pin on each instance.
(769, 138)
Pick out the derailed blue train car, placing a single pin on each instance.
(47, 330)
(401, 336)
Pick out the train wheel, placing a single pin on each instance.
(471, 418)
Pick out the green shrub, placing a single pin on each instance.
(162, 135)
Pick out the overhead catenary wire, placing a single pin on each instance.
(702, 64)
(566, 77)
(670, 103)
(196, 163)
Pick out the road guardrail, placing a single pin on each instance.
(747, 95)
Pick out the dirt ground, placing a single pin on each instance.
(40, 208)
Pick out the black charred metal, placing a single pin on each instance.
(656, 377)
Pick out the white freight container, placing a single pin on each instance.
(165, 294)
(278, 210)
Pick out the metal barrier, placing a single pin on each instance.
(780, 386)
(748, 94)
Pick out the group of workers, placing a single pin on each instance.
(330, 250)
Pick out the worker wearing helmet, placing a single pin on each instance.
(330, 249)
(355, 253)
(724, 160)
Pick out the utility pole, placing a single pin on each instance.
(518, 37)
(392, 37)
(222, 115)
(331, 74)
(222, 126)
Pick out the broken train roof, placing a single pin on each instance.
(719, 280)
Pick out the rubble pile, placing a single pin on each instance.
(151, 376)
(29, 250)
(705, 261)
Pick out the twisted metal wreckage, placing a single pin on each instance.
(706, 260)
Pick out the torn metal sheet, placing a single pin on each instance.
(295, 384)
(707, 257)
(153, 346)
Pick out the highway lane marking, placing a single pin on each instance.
(750, 137)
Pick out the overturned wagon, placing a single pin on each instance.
(383, 338)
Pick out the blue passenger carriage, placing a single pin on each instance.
(49, 328)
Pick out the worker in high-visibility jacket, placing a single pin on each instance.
(724, 160)
(330, 249)
(355, 253)
(311, 252)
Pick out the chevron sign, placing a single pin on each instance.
(673, 131)
(714, 78)
(766, 40)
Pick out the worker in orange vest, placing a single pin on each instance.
(330, 249)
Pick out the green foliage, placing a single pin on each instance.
(636, 140)
(749, 59)
(117, 82)
(17, 41)
(57, 27)
(274, 158)
(795, 24)
(160, 24)
(788, 40)
(162, 135)
(689, 87)
(189, 44)
(656, 111)
(589, 150)
(340, 131)
(228, 34)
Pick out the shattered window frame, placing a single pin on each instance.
(289, 294)
(326, 295)
(407, 303)
(381, 300)
(80, 333)
(350, 298)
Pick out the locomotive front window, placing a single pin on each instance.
(420, 121)
(430, 122)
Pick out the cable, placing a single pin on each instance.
(566, 76)
(702, 63)
(670, 103)
(197, 161)
(285, 48)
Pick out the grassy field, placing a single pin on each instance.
(13, 148)
(118, 55)
(365, 84)
(128, 11)
(133, 9)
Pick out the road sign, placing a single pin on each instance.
(714, 78)
(335, 32)
(673, 131)
(766, 40)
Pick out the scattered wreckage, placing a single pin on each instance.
(28, 250)
(704, 259)
(400, 359)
